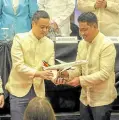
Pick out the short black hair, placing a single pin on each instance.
(40, 14)
(88, 17)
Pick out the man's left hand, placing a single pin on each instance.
(75, 82)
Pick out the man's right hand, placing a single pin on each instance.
(47, 74)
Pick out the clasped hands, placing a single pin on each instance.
(100, 4)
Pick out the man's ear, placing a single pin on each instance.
(95, 25)
(33, 23)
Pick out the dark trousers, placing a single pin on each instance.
(19, 104)
(95, 113)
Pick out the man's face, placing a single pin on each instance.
(88, 32)
(41, 27)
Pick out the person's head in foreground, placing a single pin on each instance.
(40, 24)
(39, 109)
(88, 26)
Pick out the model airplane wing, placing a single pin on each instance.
(60, 61)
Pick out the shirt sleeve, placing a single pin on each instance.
(18, 59)
(113, 6)
(86, 5)
(66, 14)
(107, 63)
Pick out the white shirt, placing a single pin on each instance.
(60, 12)
(15, 4)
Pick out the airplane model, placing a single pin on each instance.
(63, 65)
